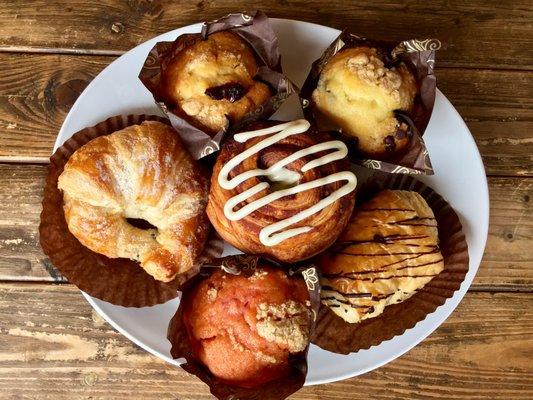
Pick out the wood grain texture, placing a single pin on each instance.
(21, 257)
(507, 264)
(476, 34)
(509, 251)
(497, 107)
(54, 346)
(37, 91)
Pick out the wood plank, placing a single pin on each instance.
(113, 26)
(54, 346)
(36, 92)
(508, 259)
(21, 257)
(507, 264)
(497, 108)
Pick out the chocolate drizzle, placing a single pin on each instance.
(385, 257)
(386, 209)
(357, 295)
(351, 295)
(403, 253)
(379, 239)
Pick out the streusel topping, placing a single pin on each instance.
(285, 324)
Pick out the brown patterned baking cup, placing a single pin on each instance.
(419, 56)
(181, 346)
(254, 28)
(332, 333)
(118, 281)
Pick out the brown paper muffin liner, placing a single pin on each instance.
(419, 55)
(119, 281)
(181, 347)
(255, 29)
(334, 334)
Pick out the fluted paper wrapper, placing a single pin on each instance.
(181, 347)
(334, 334)
(255, 29)
(419, 56)
(118, 281)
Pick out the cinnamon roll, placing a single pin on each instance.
(389, 251)
(282, 191)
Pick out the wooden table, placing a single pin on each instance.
(54, 346)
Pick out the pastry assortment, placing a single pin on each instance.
(281, 191)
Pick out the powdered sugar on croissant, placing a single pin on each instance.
(142, 172)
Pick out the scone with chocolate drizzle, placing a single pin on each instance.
(360, 94)
(389, 251)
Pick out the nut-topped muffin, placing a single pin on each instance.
(357, 92)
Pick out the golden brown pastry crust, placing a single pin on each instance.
(326, 224)
(223, 58)
(244, 329)
(141, 172)
(388, 251)
(358, 93)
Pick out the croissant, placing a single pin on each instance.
(141, 172)
(388, 251)
(273, 228)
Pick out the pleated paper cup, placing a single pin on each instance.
(181, 346)
(334, 334)
(255, 29)
(419, 56)
(118, 281)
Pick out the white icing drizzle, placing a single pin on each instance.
(271, 235)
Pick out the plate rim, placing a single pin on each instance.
(450, 305)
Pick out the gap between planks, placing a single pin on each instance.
(60, 50)
(39, 161)
(471, 289)
(117, 53)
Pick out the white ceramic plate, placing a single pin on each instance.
(459, 178)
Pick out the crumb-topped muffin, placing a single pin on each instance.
(244, 329)
(212, 80)
(359, 94)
